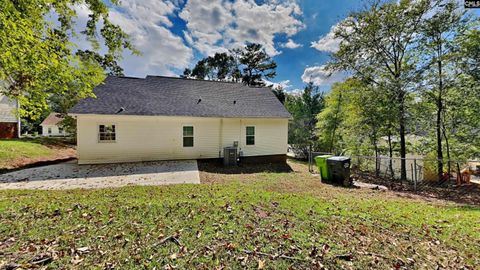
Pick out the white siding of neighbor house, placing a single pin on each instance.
(55, 131)
(143, 138)
(7, 110)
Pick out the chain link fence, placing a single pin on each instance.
(421, 173)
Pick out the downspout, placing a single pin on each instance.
(240, 143)
(220, 139)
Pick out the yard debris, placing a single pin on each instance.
(10, 266)
(345, 257)
(310, 226)
(172, 238)
(41, 259)
(83, 250)
(272, 256)
(261, 264)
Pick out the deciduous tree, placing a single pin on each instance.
(39, 58)
(375, 46)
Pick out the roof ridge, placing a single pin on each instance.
(200, 80)
(188, 79)
(125, 77)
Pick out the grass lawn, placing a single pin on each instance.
(17, 152)
(251, 220)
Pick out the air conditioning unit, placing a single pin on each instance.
(230, 156)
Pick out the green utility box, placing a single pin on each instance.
(321, 162)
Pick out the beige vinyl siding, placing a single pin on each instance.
(271, 137)
(8, 108)
(142, 138)
(55, 131)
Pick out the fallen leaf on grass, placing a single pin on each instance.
(83, 249)
(261, 264)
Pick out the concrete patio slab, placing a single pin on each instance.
(70, 175)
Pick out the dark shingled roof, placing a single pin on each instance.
(156, 95)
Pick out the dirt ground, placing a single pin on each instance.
(447, 191)
(62, 151)
(298, 179)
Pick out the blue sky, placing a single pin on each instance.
(175, 34)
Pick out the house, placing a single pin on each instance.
(9, 121)
(50, 126)
(165, 118)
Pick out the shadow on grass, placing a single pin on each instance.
(216, 166)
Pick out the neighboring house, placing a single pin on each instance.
(163, 118)
(9, 121)
(51, 127)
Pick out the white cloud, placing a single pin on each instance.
(211, 26)
(283, 84)
(291, 44)
(295, 92)
(319, 76)
(146, 22)
(216, 25)
(328, 42)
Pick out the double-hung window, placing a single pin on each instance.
(250, 131)
(187, 136)
(106, 133)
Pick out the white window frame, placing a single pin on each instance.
(49, 130)
(254, 135)
(192, 136)
(106, 141)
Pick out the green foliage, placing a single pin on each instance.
(38, 59)
(280, 94)
(376, 44)
(470, 52)
(256, 65)
(219, 67)
(250, 64)
(331, 119)
(32, 126)
(415, 74)
(302, 128)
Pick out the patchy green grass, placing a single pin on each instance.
(19, 152)
(15, 149)
(253, 220)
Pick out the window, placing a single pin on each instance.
(106, 133)
(187, 136)
(60, 130)
(250, 135)
(49, 130)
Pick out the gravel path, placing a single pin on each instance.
(70, 175)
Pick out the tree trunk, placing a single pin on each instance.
(439, 114)
(447, 145)
(377, 167)
(332, 141)
(403, 148)
(390, 152)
